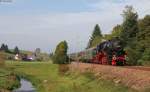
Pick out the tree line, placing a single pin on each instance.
(4, 48)
(134, 33)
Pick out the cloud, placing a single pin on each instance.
(116, 6)
(46, 30)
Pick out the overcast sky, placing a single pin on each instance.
(31, 24)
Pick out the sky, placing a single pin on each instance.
(31, 24)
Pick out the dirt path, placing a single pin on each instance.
(135, 77)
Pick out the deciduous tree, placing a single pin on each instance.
(60, 55)
(129, 26)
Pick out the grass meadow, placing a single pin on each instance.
(47, 78)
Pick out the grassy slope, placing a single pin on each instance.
(46, 78)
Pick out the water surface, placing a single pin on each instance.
(26, 86)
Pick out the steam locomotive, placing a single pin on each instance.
(108, 52)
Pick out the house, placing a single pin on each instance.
(17, 57)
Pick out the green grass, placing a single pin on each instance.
(8, 80)
(46, 78)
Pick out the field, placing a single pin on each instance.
(47, 78)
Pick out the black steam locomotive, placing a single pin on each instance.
(108, 52)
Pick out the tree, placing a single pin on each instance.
(129, 33)
(5, 48)
(143, 35)
(115, 32)
(96, 37)
(143, 40)
(16, 50)
(145, 59)
(129, 26)
(2, 47)
(60, 55)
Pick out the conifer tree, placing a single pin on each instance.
(16, 50)
(3, 47)
(96, 37)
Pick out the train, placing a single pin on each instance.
(108, 52)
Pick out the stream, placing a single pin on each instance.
(26, 86)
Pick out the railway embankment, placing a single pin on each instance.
(137, 78)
